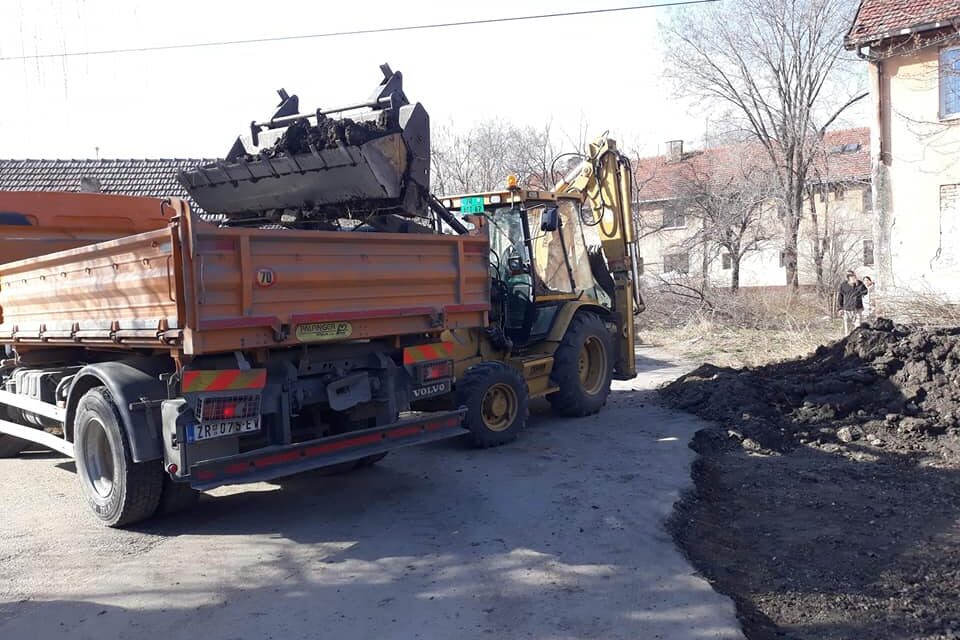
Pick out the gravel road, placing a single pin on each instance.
(559, 535)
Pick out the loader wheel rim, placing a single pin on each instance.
(592, 365)
(499, 407)
(97, 458)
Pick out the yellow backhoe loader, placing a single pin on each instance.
(563, 297)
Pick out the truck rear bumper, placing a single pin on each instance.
(274, 462)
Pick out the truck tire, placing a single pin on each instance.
(11, 447)
(369, 461)
(118, 490)
(176, 497)
(582, 367)
(497, 403)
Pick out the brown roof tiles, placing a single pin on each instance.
(878, 20)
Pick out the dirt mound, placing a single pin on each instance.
(884, 382)
(827, 498)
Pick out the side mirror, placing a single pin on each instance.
(550, 221)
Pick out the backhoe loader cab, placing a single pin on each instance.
(544, 253)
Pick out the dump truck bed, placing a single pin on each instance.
(197, 288)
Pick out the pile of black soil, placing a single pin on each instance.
(827, 496)
(328, 133)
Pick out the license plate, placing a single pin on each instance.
(430, 390)
(221, 429)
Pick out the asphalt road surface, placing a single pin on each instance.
(557, 536)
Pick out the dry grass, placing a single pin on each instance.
(738, 347)
(748, 328)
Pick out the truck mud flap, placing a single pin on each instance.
(274, 462)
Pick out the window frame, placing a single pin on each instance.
(670, 256)
(942, 85)
(674, 211)
(726, 261)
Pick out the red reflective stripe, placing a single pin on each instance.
(428, 352)
(189, 378)
(443, 424)
(277, 458)
(223, 380)
(258, 380)
(404, 432)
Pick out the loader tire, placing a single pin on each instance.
(497, 403)
(582, 367)
(118, 490)
(11, 447)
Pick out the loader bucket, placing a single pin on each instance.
(323, 164)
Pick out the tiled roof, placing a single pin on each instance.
(847, 159)
(880, 19)
(155, 178)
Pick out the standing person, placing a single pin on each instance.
(850, 302)
(869, 301)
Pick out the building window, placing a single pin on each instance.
(676, 263)
(868, 253)
(949, 82)
(726, 261)
(673, 217)
(866, 199)
(639, 266)
(839, 191)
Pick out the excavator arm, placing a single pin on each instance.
(605, 181)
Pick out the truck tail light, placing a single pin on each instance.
(210, 408)
(430, 371)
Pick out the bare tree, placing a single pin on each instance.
(778, 67)
(481, 158)
(733, 209)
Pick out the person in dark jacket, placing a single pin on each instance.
(850, 302)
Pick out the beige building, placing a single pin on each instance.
(838, 223)
(914, 53)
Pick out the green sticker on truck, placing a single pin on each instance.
(472, 204)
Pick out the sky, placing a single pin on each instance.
(598, 72)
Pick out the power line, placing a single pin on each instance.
(356, 32)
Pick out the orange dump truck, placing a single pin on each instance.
(169, 355)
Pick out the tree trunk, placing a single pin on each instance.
(791, 227)
(818, 243)
(734, 273)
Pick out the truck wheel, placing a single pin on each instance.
(582, 367)
(11, 447)
(369, 461)
(497, 403)
(119, 490)
(176, 497)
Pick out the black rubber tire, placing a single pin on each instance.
(471, 392)
(369, 461)
(572, 399)
(176, 497)
(134, 488)
(11, 447)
